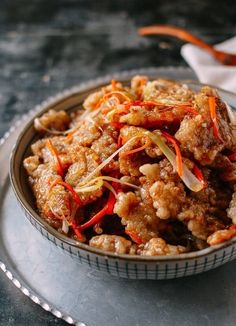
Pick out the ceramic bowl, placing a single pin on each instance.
(128, 266)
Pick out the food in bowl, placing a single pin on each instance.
(146, 169)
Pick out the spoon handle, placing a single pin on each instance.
(185, 36)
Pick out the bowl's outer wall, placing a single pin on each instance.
(135, 268)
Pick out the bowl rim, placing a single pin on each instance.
(54, 101)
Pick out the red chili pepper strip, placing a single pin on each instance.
(198, 173)
(232, 157)
(232, 227)
(76, 230)
(106, 210)
(116, 125)
(134, 237)
(71, 189)
(120, 141)
(147, 143)
(54, 152)
(179, 159)
(191, 110)
(212, 107)
(110, 204)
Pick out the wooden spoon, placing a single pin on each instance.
(223, 57)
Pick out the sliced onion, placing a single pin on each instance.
(65, 226)
(188, 177)
(231, 114)
(98, 184)
(109, 186)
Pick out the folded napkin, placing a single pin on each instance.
(207, 69)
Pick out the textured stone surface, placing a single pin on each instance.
(48, 45)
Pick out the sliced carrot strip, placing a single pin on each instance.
(179, 160)
(113, 84)
(135, 238)
(212, 107)
(54, 152)
(147, 143)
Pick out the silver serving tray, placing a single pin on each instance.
(83, 296)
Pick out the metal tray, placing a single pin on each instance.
(82, 296)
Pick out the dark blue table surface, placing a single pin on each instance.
(49, 45)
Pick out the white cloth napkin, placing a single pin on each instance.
(207, 69)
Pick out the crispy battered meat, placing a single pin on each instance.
(113, 243)
(225, 128)
(85, 161)
(86, 133)
(152, 117)
(40, 148)
(196, 136)
(93, 99)
(167, 199)
(128, 132)
(138, 84)
(52, 120)
(167, 90)
(137, 215)
(221, 236)
(166, 190)
(158, 247)
(105, 146)
(199, 219)
(231, 211)
(129, 164)
(30, 164)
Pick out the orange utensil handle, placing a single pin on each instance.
(188, 37)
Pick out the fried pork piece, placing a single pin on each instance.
(113, 243)
(41, 149)
(231, 211)
(159, 247)
(137, 215)
(221, 236)
(52, 201)
(196, 134)
(93, 99)
(167, 199)
(84, 161)
(52, 120)
(225, 128)
(30, 164)
(129, 164)
(128, 132)
(138, 84)
(227, 169)
(152, 117)
(86, 133)
(106, 145)
(199, 219)
(167, 90)
(164, 187)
